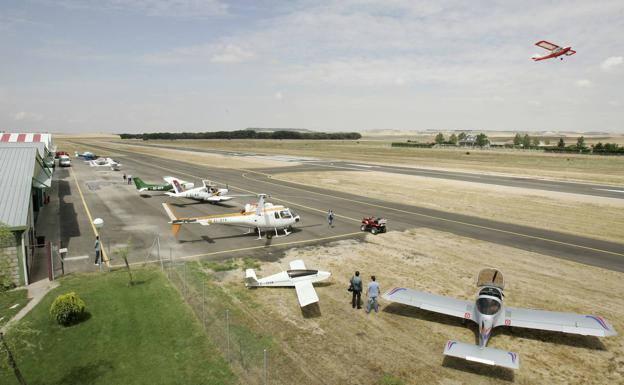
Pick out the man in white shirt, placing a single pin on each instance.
(372, 293)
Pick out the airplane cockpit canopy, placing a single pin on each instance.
(491, 291)
(300, 273)
(488, 306)
(285, 214)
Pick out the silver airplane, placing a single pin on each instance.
(488, 311)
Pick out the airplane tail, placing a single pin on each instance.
(140, 185)
(488, 356)
(176, 186)
(175, 227)
(250, 278)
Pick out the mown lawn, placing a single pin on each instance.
(143, 334)
(8, 299)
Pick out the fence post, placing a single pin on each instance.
(265, 367)
(185, 284)
(227, 333)
(204, 302)
(162, 266)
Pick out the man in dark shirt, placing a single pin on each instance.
(356, 286)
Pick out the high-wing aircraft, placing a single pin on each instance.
(488, 311)
(85, 155)
(298, 276)
(142, 186)
(555, 51)
(105, 162)
(262, 216)
(208, 192)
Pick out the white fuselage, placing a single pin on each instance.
(273, 217)
(208, 194)
(488, 309)
(290, 277)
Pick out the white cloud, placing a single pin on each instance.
(27, 116)
(278, 95)
(612, 62)
(160, 8)
(583, 83)
(231, 54)
(213, 53)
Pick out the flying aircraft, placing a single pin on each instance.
(262, 216)
(555, 51)
(207, 193)
(85, 155)
(488, 311)
(142, 186)
(298, 276)
(105, 162)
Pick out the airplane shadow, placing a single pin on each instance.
(413, 312)
(551, 337)
(496, 372)
(313, 310)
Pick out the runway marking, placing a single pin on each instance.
(250, 248)
(438, 218)
(606, 189)
(84, 203)
(360, 165)
(389, 208)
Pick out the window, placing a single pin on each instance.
(300, 273)
(488, 306)
(277, 215)
(286, 214)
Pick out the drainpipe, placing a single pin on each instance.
(25, 262)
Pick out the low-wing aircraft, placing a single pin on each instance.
(298, 276)
(85, 155)
(208, 192)
(105, 162)
(555, 51)
(262, 216)
(488, 311)
(143, 186)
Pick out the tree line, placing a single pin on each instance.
(245, 134)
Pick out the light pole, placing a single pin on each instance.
(98, 223)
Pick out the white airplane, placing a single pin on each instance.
(143, 186)
(262, 216)
(298, 276)
(207, 193)
(489, 312)
(85, 155)
(104, 162)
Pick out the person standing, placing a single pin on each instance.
(124, 176)
(98, 250)
(129, 179)
(356, 289)
(330, 217)
(372, 293)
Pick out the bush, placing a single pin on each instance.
(67, 309)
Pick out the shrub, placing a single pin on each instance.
(67, 309)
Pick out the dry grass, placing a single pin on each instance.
(595, 217)
(339, 345)
(598, 169)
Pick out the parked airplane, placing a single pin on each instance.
(208, 192)
(489, 312)
(105, 162)
(262, 216)
(298, 276)
(85, 155)
(555, 51)
(142, 186)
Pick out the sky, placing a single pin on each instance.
(206, 65)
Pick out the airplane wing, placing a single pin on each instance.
(305, 293)
(297, 265)
(432, 302)
(570, 52)
(547, 45)
(589, 325)
(219, 198)
(488, 356)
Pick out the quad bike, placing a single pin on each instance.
(374, 225)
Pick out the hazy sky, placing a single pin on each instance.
(150, 65)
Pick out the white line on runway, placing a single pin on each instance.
(360, 165)
(606, 189)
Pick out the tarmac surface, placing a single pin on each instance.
(312, 164)
(138, 219)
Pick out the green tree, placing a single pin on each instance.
(526, 141)
(561, 143)
(536, 141)
(453, 139)
(461, 136)
(482, 140)
(517, 140)
(598, 146)
(6, 238)
(580, 142)
(439, 139)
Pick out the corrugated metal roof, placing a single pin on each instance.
(17, 165)
(40, 146)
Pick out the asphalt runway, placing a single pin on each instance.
(311, 164)
(312, 203)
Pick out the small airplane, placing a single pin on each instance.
(105, 162)
(555, 51)
(142, 186)
(298, 276)
(488, 311)
(85, 155)
(207, 193)
(261, 216)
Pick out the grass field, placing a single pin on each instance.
(602, 169)
(142, 334)
(8, 299)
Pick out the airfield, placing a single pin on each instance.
(437, 250)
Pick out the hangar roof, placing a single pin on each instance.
(17, 165)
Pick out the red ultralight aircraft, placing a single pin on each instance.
(555, 51)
